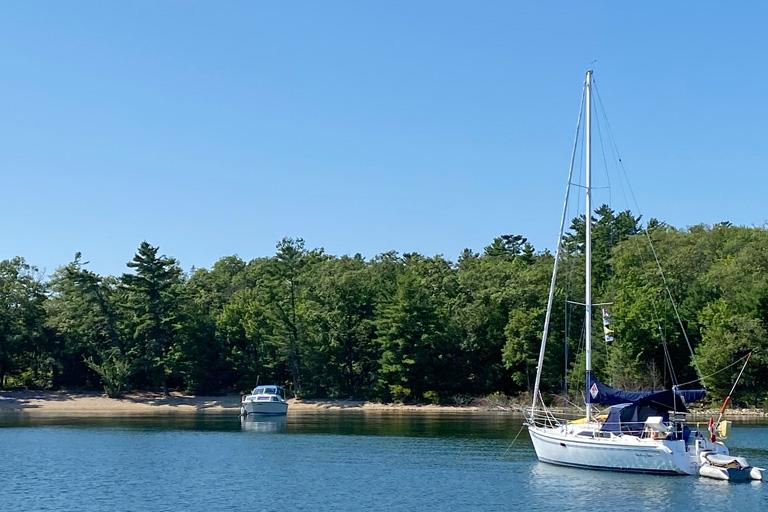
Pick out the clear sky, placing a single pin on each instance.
(217, 128)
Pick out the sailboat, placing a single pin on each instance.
(642, 431)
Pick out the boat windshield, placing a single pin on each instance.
(268, 390)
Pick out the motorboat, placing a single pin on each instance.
(266, 400)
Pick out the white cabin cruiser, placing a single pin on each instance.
(265, 400)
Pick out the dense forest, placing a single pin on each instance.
(403, 327)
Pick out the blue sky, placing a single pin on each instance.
(217, 128)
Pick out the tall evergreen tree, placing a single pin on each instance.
(153, 301)
(82, 313)
(285, 286)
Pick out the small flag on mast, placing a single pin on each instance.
(607, 331)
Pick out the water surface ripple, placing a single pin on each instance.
(339, 461)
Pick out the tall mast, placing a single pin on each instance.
(588, 241)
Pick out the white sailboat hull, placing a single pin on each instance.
(562, 446)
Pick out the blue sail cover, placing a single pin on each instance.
(599, 393)
(630, 409)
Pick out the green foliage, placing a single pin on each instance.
(608, 230)
(433, 397)
(286, 298)
(25, 347)
(245, 330)
(113, 370)
(342, 312)
(399, 393)
(508, 247)
(519, 354)
(153, 302)
(400, 327)
(727, 338)
(82, 311)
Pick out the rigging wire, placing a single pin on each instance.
(602, 146)
(513, 440)
(612, 146)
(568, 270)
(733, 388)
(552, 286)
(611, 232)
(571, 268)
(672, 300)
(648, 237)
(701, 379)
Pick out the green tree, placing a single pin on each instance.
(419, 338)
(25, 353)
(246, 330)
(483, 305)
(526, 296)
(210, 356)
(284, 286)
(346, 353)
(82, 312)
(727, 338)
(608, 230)
(508, 247)
(153, 301)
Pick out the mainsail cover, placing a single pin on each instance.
(599, 393)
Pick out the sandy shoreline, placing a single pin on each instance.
(85, 403)
(148, 403)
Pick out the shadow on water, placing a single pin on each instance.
(458, 425)
(201, 422)
(344, 423)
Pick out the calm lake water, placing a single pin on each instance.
(329, 461)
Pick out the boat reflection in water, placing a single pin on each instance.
(272, 424)
(579, 485)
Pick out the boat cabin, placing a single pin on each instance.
(275, 391)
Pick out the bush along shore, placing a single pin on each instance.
(397, 327)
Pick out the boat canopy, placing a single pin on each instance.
(631, 409)
(672, 399)
(269, 389)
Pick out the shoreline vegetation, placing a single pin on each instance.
(152, 403)
(403, 328)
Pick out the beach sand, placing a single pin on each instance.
(93, 403)
(149, 403)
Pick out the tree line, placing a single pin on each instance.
(400, 327)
